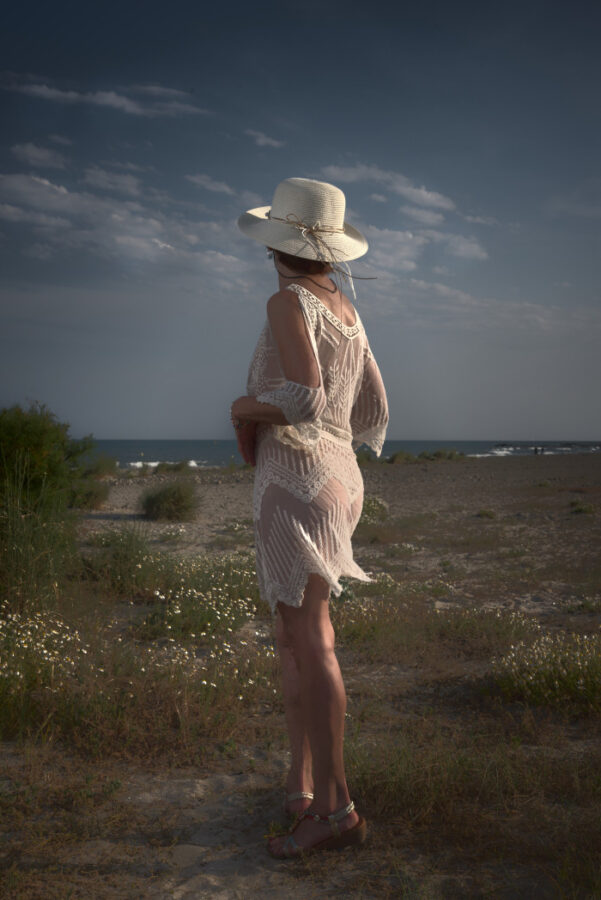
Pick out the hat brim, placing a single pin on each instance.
(256, 224)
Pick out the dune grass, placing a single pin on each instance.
(473, 731)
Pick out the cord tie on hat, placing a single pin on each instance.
(312, 234)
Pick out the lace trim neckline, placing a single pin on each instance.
(348, 330)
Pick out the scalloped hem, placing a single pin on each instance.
(292, 595)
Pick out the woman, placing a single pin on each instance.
(314, 392)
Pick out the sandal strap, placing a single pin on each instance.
(332, 820)
(300, 795)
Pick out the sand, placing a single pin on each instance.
(220, 817)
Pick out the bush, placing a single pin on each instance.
(88, 493)
(37, 546)
(101, 467)
(175, 502)
(364, 457)
(37, 453)
(401, 456)
(179, 467)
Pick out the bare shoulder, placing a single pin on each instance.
(283, 305)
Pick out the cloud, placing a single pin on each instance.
(40, 157)
(120, 228)
(457, 244)
(379, 198)
(60, 139)
(11, 213)
(393, 250)
(423, 216)
(110, 181)
(109, 99)
(482, 220)
(394, 181)
(157, 90)
(262, 140)
(210, 184)
(583, 202)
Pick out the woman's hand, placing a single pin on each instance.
(246, 433)
(246, 436)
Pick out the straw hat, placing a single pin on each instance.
(305, 219)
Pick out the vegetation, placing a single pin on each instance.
(473, 728)
(175, 502)
(37, 457)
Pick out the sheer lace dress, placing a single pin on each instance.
(308, 491)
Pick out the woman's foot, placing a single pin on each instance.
(308, 834)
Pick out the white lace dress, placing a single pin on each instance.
(308, 491)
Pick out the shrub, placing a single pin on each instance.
(364, 457)
(87, 493)
(37, 545)
(37, 453)
(175, 502)
(101, 467)
(401, 456)
(180, 467)
(374, 510)
(560, 670)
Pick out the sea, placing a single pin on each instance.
(210, 453)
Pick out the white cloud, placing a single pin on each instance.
(11, 213)
(423, 216)
(394, 250)
(394, 181)
(482, 220)
(263, 140)
(40, 157)
(60, 139)
(457, 244)
(127, 166)
(122, 228)
(210, 184)
(583, 202)
(157, 90)
(110, 181)
(109, 99)
(379, 198)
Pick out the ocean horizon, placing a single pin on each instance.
(134, 453)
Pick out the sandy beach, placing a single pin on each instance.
(520, 534)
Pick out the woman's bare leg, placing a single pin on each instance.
(309, 632)
(300, 776)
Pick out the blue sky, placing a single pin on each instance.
(467, 141)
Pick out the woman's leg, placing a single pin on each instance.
(300, 776)
(309, 632)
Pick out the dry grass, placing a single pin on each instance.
(479, 778)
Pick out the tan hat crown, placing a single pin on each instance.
(314, 203)
(306, 219)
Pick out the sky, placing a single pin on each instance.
(466, 137)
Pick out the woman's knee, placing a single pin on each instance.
(307, 636)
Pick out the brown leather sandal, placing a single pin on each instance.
(337, 841)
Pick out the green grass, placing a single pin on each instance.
(88, 493)
(558, 670)
(395, 626)
(37, 547)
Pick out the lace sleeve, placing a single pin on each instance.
(369, 416)
(302, 405)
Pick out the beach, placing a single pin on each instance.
(516, 535)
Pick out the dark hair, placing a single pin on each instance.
(303, 266)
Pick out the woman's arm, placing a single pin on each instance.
(301, 398)
(248, 409)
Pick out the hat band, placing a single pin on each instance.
(312, 233)
(293, 219)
